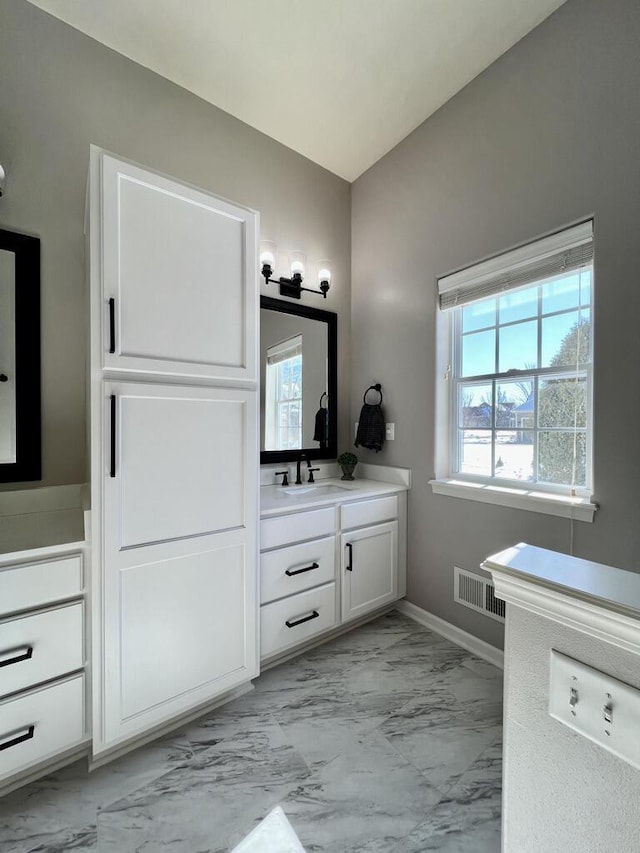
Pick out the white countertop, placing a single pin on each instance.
(606, 586)
(274, 500)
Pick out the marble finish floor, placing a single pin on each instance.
(386, 739)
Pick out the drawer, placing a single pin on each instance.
(40, 647)
(296, 568)
(276, 635)
(30, 585)
(369, 512)
(38, 725)
(287, 529)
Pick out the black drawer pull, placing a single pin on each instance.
(349, 566)
(19, 738)
(112, 445)
(290, 573)
(314, 615)
(112, 325)
(25, 653)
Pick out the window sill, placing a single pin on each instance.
(581, 509)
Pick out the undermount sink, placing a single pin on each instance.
(319, 489)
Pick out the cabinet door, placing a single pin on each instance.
(369, 569)
(176, 606)
(176, 279)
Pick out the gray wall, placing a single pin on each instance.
(561, 791)
(61, 91)
(548, 134)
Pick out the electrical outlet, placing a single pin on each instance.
(390, 432)
(595, 705)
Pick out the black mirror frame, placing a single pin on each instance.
(28, 464)
(331, 319)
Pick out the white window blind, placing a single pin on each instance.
(567, 250)
(284, 350)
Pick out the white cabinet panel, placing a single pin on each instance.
(39, 725)
(295, 619)
(175, 619)
(181, 268)
(296, 568)
(373, 511)
(183, 626)
(25, 586)
(181, 454)
(296, 527)
(369, 569)
(40, 646)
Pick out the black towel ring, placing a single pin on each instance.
(324, 394)
(377, 387)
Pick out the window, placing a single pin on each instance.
(519, 367)
(283, 395)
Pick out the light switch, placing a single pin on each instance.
(599, 707)
(390, 432)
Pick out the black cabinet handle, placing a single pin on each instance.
(112, 325)
(4, 377)
(291, 573)
(349, 565)
(19, 738)
(314, 615)
(18, 655)
(112, 466)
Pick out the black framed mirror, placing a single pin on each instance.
(298, 382)
(20, 454)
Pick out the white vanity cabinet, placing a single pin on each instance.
(298, 590)
(321, 568)
(369, 555)
(369, 569)
(174, 450)
(42, 660)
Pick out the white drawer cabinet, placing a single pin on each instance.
(42, 659)
(359, 513)
(354, 551)
(296, 527)
(39, 725)
(40, 646)
(297, 618)
(27, 585)
(287, 571)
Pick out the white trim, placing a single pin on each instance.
(569, 610)
(451, 632)
(578, 509)
(508, 261)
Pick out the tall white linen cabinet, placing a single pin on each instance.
(174, 449)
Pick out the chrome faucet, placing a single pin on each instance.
(301, 458)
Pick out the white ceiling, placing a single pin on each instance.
(340, 81)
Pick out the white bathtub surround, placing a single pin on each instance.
(586, 799)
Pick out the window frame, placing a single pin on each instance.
(289, 350)
(551, 498)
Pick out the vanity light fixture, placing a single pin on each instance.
(292, 286)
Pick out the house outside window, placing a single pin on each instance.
(518, 331)
(283, 395)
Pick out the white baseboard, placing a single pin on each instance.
(461, 638)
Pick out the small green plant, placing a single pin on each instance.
(347, 459)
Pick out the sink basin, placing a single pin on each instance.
(318, 490)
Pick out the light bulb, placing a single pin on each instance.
(296, 263)
(267, 253)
